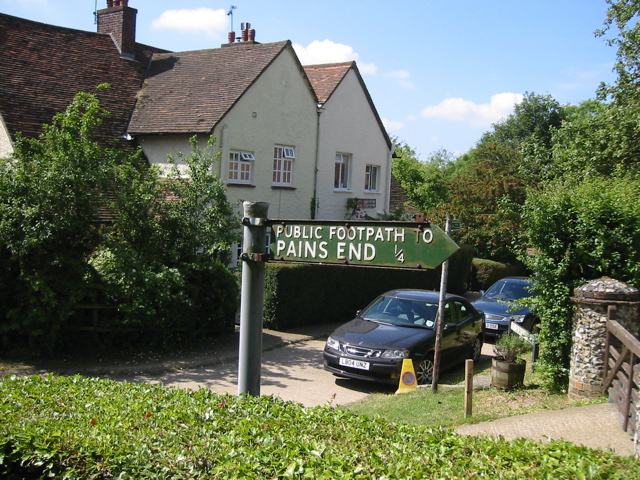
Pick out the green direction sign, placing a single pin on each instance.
(381, 244)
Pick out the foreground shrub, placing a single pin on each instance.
(74, 427)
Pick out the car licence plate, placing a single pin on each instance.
(492, 326)
(348, 362)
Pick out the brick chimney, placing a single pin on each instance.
(248, 36)
(119, 20)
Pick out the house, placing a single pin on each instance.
(44, 66)
(354, 150)
(307, 140)
(255, 99)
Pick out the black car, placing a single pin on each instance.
(499, 309)
(401, 324)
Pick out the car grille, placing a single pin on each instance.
(490, 316)
(360, 351)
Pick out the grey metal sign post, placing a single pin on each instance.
(252, 296)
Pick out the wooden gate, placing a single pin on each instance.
(622, 372)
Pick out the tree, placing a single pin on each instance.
(50, 195)
(485, 187)
(486, 198)
(74, 213)
(579, 232)
(424, 182)
(165, 247)
(623, 15)
(584, 222)
(597, 138)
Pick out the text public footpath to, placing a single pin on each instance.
(390, 244)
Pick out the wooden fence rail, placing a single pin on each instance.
(622, 372)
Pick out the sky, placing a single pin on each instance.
(440, 72)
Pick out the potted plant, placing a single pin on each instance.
(507, 367)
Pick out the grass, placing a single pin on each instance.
(445, 407)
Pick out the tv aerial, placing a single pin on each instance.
(230, 14)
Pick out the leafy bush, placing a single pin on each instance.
(486, 272)
(580, 232)
(74, 427)
(510, 347)
(75, 213)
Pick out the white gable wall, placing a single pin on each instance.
(279, 109)
(6, 146)
(348, 125)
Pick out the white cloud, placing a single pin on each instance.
(478, 115)
(402, 77)
(392, 125)
(326, 51)
(212, 22)
(367, 68)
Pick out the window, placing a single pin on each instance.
(240, 166)
(283, 158)
(371, 178)
(343, 166)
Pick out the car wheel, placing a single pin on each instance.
(476, 349)
(424, 370)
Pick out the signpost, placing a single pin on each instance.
(382, 244)
(379, 244)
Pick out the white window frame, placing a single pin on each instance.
(342, 171)
(372, 178)
(240, 167)
(283, 165)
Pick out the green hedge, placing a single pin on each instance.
(74, 427)
(297, 295)
(486, 272)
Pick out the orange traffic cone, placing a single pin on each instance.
(408, 380)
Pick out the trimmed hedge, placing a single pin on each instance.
(75, 427)
(297, 295)
(487, 272)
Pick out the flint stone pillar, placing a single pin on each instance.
(586, 374)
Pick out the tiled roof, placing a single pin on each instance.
(326, 78)
(190, 92)
(44, 66)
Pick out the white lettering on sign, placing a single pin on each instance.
(304, 249)
(356, 251)
(299, 231)
(344, 243)
(359, 233)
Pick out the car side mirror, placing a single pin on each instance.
(450, 327)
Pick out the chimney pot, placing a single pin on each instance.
(232, 37)
(245, 35)
(252, 35)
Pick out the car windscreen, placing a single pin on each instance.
(505, 290)
(402, 312)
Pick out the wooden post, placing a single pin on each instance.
(468, 388)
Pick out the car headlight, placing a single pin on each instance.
(395, 354)
(333, 343)
(517, 318)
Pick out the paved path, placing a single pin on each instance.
(594, 426)
(294, 372)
